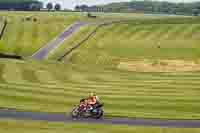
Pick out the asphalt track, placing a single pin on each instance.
(56, 117)
(44, 51)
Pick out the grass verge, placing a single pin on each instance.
(10, 126)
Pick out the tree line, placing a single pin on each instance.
(192, 8)
(20, 5)
(50, 6)
(27, 5)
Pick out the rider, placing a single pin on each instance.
(83, 104)
(92, 100)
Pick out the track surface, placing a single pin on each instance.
(44, 51)
(12, 114)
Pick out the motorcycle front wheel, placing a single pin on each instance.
(98, 114)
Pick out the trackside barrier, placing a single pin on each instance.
(3, 29)
(80, 43)
(88, 37)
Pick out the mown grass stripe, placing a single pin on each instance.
(195, 29)
(109, 106)
(164, 29)
(138, 32)
(19, 39)
(172, 29)
(151, 30)
(45, 77)
(29, 75)
(136, 83)
(12, 75)
(118, 97)
(120, 93)
(11, 28)
(176, 34)
(106, 98)
(133, 31)
(2, 67)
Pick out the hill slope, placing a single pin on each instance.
(93, 67)
(154, 41)
(24, 35)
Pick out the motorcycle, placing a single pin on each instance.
(95, 112)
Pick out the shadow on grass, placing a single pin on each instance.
(10, 56)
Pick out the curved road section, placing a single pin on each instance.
(116, 121)
(43, 52)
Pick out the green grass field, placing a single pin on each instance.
(106, 64)
(85, 31)
(24, 37)
(131, 41)
(8, 126)
(128, 16)
(52, 87)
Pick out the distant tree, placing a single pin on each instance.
(22, 5)
(83, 8)
(49, 6)
(77, 8)
(35, 6)
(57, 7)
(196, 12)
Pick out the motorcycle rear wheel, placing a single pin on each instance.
(75, 113)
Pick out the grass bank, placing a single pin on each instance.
(10, 126)
(54, 87)
(26, 32)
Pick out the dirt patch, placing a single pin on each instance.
(159, 65)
